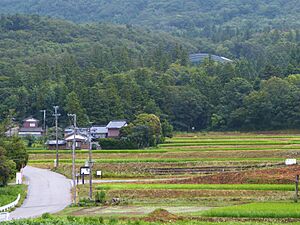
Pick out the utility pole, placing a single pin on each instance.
(44, 122)
(90, 164)
(73, 157)
(56, 115)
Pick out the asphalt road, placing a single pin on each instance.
(48, 192)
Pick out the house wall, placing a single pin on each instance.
(100, 135)
(113, 133)
(30, 124)
(79, 145)
(60, 147)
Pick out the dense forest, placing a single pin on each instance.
(176, 15)
(104, 71)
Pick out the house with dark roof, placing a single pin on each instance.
(113, 128)
(30, 128)
(62, 144)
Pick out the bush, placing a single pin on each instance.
(85, 202)
(100, 197)
(111, 143)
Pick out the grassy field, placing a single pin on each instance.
(10, 193)
(257, 210)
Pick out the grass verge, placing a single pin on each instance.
(10, 193)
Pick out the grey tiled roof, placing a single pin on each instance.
(99, 130)
(116, 124)
(33, 129)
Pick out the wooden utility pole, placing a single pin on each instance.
(297, 188)
(73, 157)
(56, 115)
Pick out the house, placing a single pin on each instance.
(31, 128)
(82, 142)
(113, 128)
(70, 130)
(62, 144)
(98, 132)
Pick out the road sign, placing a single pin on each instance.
(84, 170)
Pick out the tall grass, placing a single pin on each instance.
(257, 210)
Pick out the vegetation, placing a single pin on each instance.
(257, 210)
(45, 62)
(144, 132)
(10, 193)
(13, 155)
(50, 220)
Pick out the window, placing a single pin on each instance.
(31, 124)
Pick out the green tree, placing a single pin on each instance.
(73, 105)
(16, 151)
(7, 168)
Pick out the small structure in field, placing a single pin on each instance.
(31, 128)
(114, 128)
(51, 144)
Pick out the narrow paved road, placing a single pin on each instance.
(48, 192)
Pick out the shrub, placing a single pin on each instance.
(100, 197)
(46, 216)
(111, 143)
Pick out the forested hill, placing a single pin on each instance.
(262, 31)
(103, 72)
(34, 39)
(167, 14)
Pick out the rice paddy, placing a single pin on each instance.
(238, 174)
